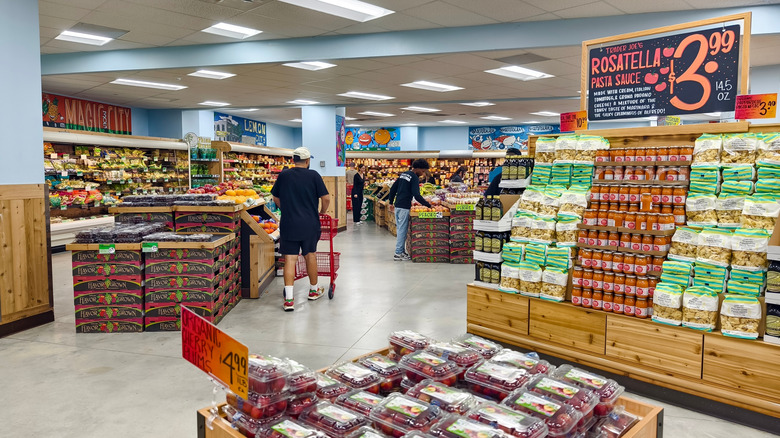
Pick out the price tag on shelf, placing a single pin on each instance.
(149, 247)
(63, 207)
(155, 159)
(79, 174)
(165, 179)
(170, 189)
(95, 173)
(163, 169)
(109, 182)
(756, 106)
(148, 180)
(70, 190)
(214, 352)
(119, 193)
(84, 157)
(464, 207)
(430, 215)
(64, 173)
(53, 156)
(106, 248)
(65, 156)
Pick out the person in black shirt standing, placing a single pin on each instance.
(357, 193)
(404, 188)
(297, 192)
(457, 177)
(494, 189)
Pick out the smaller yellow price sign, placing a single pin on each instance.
(464, 207)
(430, 215)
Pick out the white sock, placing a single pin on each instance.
(288, 292)
(313, 287)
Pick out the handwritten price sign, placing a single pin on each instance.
(686, 73)
(430, 215)
(574, 121)
(214, 352)
(756, 106)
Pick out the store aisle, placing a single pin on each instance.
(131, 385)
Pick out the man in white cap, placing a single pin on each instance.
(297, 192)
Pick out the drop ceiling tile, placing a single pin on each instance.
(401, 73)
(440, 68)
(86, 4)
(447, 15)
(48, 33)
(647, 7)
(276, 26)
(713, 4)
(501, 10)
(595, 9)
(544, 17)
(59, 10)
(154, 15)
(137, 23)
(474, 61)
(557, 5)
(557, 52)
(56, 23)
(360, 28)
(198, 8)
(402, 21)
(293, 15)
(146, 38)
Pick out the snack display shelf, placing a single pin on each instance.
(641, 182)
(515, 183)
(642, 163)
(211, 425)
(626, 230)
(64, 232)
(489, 257)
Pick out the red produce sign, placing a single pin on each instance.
(84, 115)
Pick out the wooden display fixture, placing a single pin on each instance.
(649, 426)
(337, 187)
(643, 163)
(258, 266)
(738, 372)
(642, 182)
(664, 233)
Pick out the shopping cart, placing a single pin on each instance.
(327, 262)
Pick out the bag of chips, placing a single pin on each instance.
(748, 249)
(714, 246)
(554, 281)
(740, 316)
(700, 308)
(700, 210)
(706, 149)
(667, 304)
(739, 148)
(760, 211)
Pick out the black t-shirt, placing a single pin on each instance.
(406, 187)
(299, 191)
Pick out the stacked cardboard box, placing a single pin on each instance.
(429, 239)
(461, 236)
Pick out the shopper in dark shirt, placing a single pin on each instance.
(493, 189)
(357, 193)
(406, 187)
(457, 177)
(297, 192)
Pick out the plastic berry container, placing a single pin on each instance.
(607, 390)
(510, 421)
(417, 434)
(404, 342)
(301, 379)
(245, 424)
(561, 419)
(329, 389)
(462, 356)
(406, 385)
(260, 406)
(495, 380)
(581, 399)
(366, 432)
(333, 420)
(530, 363)
(449, 399)
(299, 402)
(422, 365)
(615, 424)
(391, 373)
(359, 401)
(455, 426)
(400, 414)
(356, 376)
(267, 374)
(484, 347)
(287, 427)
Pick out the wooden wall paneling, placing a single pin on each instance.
(568, 325)
(745, 364)
(497, 310)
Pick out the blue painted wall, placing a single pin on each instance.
(442, 138)
(140, 120)
(410, 138)
(165, 123)
(278, 136)
(297, 137)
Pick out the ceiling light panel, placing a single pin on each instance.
(546, 114)
(453, 122)
(213, 103)
(210, 74)
(353, 125)
(432, 86)
(145, 84)
(478, 104)
(377, 114)
(349, 118)
(310, 65)
(517, 72)
(420, 109)
(83, 38)
(232, 31)
(497, 118)
(365, 96)
(351, 9)
(303, 102)
(296, 120)
(244, 110)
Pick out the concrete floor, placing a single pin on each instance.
(59, 384)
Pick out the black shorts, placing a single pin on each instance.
(295, 247)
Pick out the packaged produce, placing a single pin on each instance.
(740, 316)
(508, 420)
(245, 424)
(334, 420)
(260, 406)
(399, 414)
(616, 424)
(607, 389)
(456, 427)
(684, 244)
(422, 365)
(545, 150)
(749, 248)
(706, 149)
(299, 402)
(530, 279)
(287, 427)
(667, 304)
(495, 380)
(329, 389)
(462, 356)
(566, 231)
(301, 379)
(449, 399)
(510, 278)
(729, 208)
(739, 148)
(581, 399)
(385, 367)
(356, 376)
(267, 374)
(554, 283)
(484, 347)
(561, 419)
(368, 432)
(700, 308)
(404, 342)
(529, 362)
(768, 149)
(406, 384)
(760, 211)
(359, 401)
(565, 148)
(700, 210)
(714, 246)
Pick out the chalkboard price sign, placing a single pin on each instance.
(686, 73)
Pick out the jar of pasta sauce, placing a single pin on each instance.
(576, 295)
(640, 308)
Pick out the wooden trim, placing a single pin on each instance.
(96, 246)
(208, 208)
(106, 134)
(120, 209)
(19, 325)
(197, 245)
(12, 192)
(744, 83)
(26, 313)
(658, 131)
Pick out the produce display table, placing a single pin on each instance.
(207, 219)
(739, 372)
(650, 425)
(144, 214)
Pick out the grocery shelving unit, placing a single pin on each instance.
(252, 165)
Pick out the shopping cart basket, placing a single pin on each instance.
(327, 262)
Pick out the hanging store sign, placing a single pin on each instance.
(575, 121)
(486, 138)
(84, 115)
(698, 71)
(228, 127)
(341, 137)
(380, 139)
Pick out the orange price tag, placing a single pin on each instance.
(756, 106)
(214, 352)
(575, 121)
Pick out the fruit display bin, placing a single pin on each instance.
(650, 425)
(207, 219)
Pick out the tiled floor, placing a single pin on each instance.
(55, 383)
